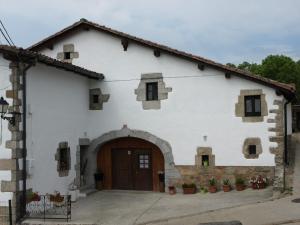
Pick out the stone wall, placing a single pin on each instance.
(200, 176)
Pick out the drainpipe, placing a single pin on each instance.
(286, 161)
(24, 172)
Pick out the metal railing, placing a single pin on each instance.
(48, 207)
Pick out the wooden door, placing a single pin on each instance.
(142, 169)
(122, 169)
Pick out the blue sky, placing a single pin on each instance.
(221, 30)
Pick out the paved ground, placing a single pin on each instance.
(134, 207)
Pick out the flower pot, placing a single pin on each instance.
(226, 188)
(212, 189)
(99, 185)
(189, 190)
(240, 187)
(172, 190)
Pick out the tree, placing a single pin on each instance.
(276, 67)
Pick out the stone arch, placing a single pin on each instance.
(171, 173)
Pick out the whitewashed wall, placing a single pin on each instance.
(200, 106)
(4, 153)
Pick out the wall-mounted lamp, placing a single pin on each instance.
(3, 110)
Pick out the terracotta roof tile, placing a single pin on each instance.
(30, 55)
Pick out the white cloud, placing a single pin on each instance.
(222, 30)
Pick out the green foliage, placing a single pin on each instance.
(191, 185)
(239, 181)
(226, 182)
(276, 67)
(212, 181)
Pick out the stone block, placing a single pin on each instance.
(8, 164)
(8, 186)
(12, 144)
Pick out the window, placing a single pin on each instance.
(252, 149)
(144, 161)
(205, 160)
(152, 91)
(67, 55)
(63, 159)
(95, 99)
(252, 105)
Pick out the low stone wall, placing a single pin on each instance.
(201, 176)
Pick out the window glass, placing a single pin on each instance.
(152, 91)
(257, 104)
(248, 105)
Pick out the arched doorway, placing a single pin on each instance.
(131, 163)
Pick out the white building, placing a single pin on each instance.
(146, 109)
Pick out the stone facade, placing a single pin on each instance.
(70, 50)
(252, 141)
(278, 138)
(240, 106)
(15, 144)
(201, 176)
(162, 90)
(99, 97)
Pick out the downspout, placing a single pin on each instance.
(24, 172)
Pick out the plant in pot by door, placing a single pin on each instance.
(212, 185)
(240, 184)
(258, 182)
(226, 185)
(189, 188)
(172, 190)
(99, 180)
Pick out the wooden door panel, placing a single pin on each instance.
(121, 169)
(142, 164)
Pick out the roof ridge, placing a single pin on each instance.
(170, 50)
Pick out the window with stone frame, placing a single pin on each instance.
(252, 105)
(63, 158)
(152, 91)
(252, 148)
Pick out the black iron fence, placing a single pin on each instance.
(49, 207)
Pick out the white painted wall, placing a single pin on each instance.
(4, 153)
(202, 105)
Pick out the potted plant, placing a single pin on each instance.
(240, 184)
(212, 185)
(226, 185)
(32, 197)
(99, 180)
(189, 188)
(205, 163)
(172, 190)
(258, 182)
(203, 190)
(56, 198)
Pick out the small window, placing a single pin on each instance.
(63, 159)
(252, 105)
(252, 149)
(152, 91)
(67, 55)
(144, 161)
(205, 160)
(95, 99)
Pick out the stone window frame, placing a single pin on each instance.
(161, 89)
(201, 151)
(240, 105)
(102, 98)
(63, 146)
(68, 48)
(252, 141)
